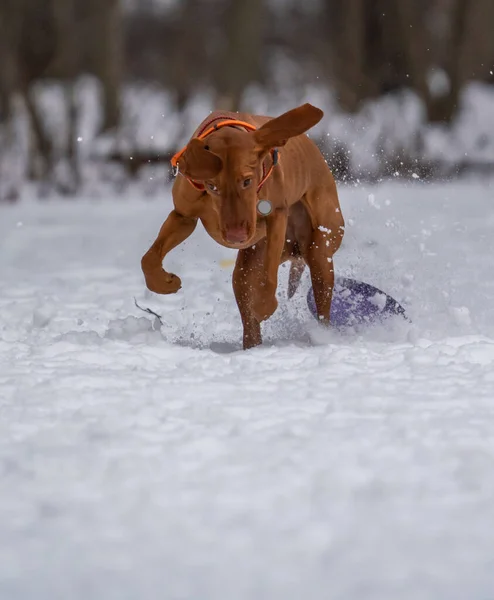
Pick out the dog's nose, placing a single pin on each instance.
(236, 235)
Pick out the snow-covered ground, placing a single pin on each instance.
(138, 463)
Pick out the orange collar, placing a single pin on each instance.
(206, 132)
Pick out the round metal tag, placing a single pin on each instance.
(264, 207)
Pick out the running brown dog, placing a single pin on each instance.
(231, 164)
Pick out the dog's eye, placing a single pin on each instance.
(247, 182)
(212, 187)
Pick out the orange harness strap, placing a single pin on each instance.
(227, 123)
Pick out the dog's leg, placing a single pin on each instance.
(327, 232)
(247, 277)
(173, 232)
(321, 267)
(297, 267)
(265, 303)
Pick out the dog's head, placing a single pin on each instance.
(229, 164)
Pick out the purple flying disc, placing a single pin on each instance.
(357, 303)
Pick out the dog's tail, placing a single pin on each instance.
(296, 271)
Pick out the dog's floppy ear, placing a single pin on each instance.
(198, 162)
(294, 122)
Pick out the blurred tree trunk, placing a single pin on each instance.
(9, 41)
(346, 23)
(108, 57)
(35, 51)
(441, 106)
(411, 31)
(240, 62)
(72, 145)
(182, 68)
(41, 146)
(67, 65)
(8, 69)
(480, 50)
(446, 106)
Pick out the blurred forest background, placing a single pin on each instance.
(97, 92)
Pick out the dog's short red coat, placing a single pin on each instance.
(305, 226)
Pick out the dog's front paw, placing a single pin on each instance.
(264, 306)
(162, 282)
(157, 279)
